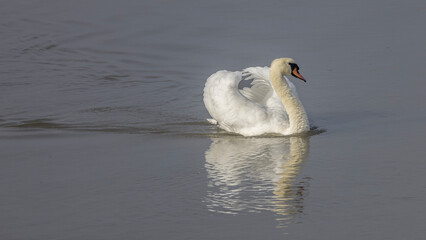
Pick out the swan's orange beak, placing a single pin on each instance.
(296, 73)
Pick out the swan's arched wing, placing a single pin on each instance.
(260, 86)
(261, 89)
(228, 106)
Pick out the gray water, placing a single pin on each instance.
(103, 132)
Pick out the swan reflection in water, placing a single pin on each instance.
(256, 174)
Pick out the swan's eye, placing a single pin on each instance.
(293, 66)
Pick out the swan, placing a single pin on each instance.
(270, 105)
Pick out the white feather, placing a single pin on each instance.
(250, 111)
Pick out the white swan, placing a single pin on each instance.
(270, 105)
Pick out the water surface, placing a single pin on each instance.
(103, 131)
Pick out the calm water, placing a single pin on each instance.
(103, 132)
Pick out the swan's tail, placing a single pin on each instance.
(212, 121)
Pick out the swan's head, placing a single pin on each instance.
(287, 66)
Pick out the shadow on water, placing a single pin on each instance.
(257, 174)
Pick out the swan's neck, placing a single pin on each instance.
(295, 110)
